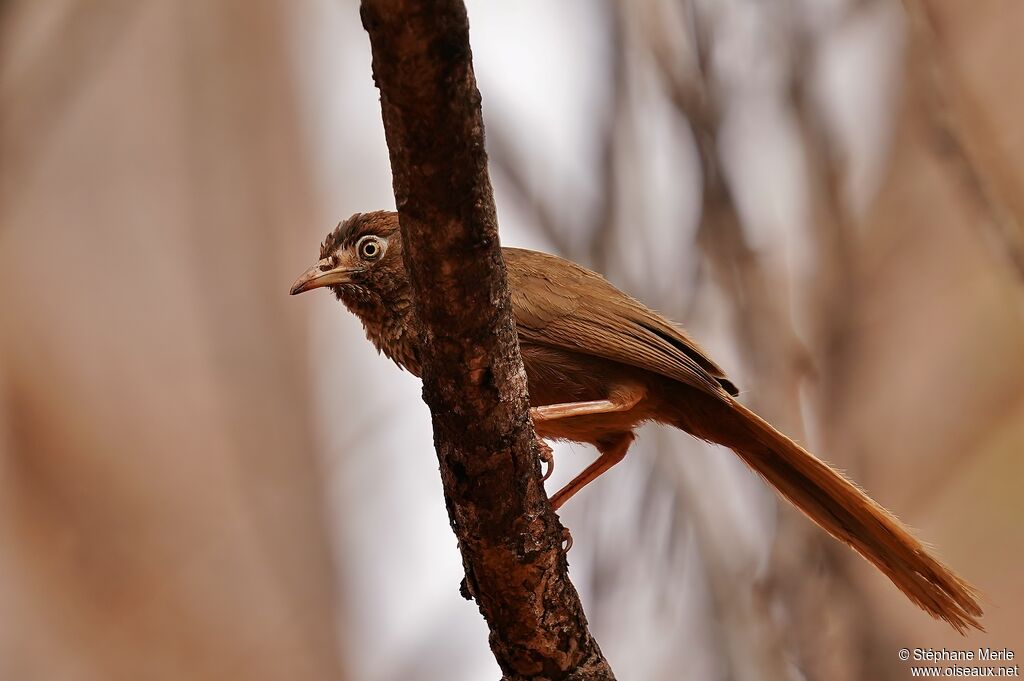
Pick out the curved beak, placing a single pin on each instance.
(318, 276)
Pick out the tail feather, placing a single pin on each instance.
(848, 514)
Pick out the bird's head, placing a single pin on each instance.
(361, 261)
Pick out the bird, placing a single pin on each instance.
(599, 363)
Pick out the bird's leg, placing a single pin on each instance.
(612, 452)
(621, 399)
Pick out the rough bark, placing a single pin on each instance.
(473, 377)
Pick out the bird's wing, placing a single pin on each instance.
(558, 303)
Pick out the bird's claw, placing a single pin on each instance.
(548, 457)
(566, 539)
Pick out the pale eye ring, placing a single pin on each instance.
(369, 248)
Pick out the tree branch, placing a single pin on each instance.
(964, 137)
(473, 377)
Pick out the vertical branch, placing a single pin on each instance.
(834, 304)
(473, 377)
(605, 212)
(960, 125)
(760, 312)
(781, 363)
(835, 301)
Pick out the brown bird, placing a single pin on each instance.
(599, 363)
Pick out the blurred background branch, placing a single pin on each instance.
(962, 136)
(825, 193)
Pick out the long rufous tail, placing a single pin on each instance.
(845, 512)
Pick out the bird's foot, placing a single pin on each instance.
(566, 539)
(547, 456)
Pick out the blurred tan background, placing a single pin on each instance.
(201, 478)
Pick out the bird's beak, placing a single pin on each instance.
(320, 275)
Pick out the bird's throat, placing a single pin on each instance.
(389, 325)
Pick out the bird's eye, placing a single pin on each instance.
(369, 248)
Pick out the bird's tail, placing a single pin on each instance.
(842, 510)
